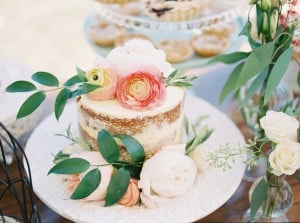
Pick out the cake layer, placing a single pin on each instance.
(153, 128)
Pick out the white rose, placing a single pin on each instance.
(285, 159)
(169, 173)
(95, 158)
(279, 126)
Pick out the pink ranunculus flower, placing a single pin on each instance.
(107, 78)
(141, 90)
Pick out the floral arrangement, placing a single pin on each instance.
(133, 79)
(139, 86)
(101, 175)
(271, 31)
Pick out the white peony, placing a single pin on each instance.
(169, 173)
(279, 126)
(95, 158)
(136, 53)
(285, 159)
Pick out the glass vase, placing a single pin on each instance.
(278, 201)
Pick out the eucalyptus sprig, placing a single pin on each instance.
(73, 87)
(198, 134)
(177, 78)
(109, 150)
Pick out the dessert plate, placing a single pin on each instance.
(212, 188)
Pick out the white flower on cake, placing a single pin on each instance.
(285, 159)
(136, 53)
(279, 126)
(169, 173)
(95, 158)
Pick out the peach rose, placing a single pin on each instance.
(141, 90)
(107, 78)
(132, 195)
(94, 158)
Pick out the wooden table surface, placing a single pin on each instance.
(231, 211)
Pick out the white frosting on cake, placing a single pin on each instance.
(134, 53)
(113, 108)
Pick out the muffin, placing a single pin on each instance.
(209, 44)
(105, 34)
(176, 50)
(178, 10)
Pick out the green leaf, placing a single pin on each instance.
(31, 104)
(246, 31)
(258, 196)
(134, 170)
(87, 185)
(72, 81)
(117, 187)
(134, 148)
(81, 74)
(45, 78)
(60, 156)
(279, 69)
(231, 82)
(254, 86)
(108, 146)
(229, 58)
(61, 101)
(298, 179)
(89, 87)
(70, 166)
(83, 144)
(20, 86)
(256, 62)
(76, 92)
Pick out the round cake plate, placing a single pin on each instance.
(212, 188)
(194, 61)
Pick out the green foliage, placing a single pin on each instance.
(298, 179)
(108, 146)
(60, 156)
(20, 86)
(134, 148)
(231, 82)
(279, 69)
(87, 185)
(72, 81)
(31, 104)
(256, 62)
(61, 101)
(177, 78)
(81, 74)
(86, 88)
(258, 197)
(45, 78)
(298, 78)
(229, 58)
(73, 87)
(117, 187)
(70, 166)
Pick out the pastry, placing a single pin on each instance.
(176, 50)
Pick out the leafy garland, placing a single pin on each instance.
(73, 87)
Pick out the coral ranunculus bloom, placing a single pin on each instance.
(141, 90)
